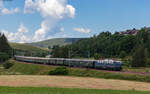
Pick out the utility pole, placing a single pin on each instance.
(88, 54)
(12, 52)
(69, 54)
(69, 57)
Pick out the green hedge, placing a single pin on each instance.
(59, 71)
(7, 65)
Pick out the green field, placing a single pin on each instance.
(44, 90)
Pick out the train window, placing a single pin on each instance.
(118, 63)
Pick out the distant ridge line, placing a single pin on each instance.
(55, 41)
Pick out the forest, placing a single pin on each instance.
(134, 49)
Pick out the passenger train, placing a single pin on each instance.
(83, 63)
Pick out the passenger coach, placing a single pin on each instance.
(83, 63)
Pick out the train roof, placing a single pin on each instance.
(99, 61)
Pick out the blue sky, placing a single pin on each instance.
(89, 17)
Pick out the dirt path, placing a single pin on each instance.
(71, 82)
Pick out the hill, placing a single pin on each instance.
(26, 47)
(56, 41)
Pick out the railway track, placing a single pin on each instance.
(109, 71)
(108, 64)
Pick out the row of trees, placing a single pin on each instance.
(141, 55)
(108, 45)
(5, 49)
(105, 45)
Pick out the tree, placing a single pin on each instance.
(60, 52)
(139, 58)
(97, 56)
(3, 57)
(147, 55)
(4, 46)
(122, 54)
(5, 49)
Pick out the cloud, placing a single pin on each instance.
(62, 29)
(19, 36)
(11, 11)
(50, 8)
(22, 29)
(82, 30)
(1, 4)
(4, 11)
(53, 11)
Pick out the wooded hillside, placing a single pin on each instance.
(108, 45)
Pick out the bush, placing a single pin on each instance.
(7, 65)
(59, 71)
(127, 63)
(96, 56)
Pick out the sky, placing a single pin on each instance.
(25, 21)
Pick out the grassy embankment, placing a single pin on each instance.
(142, 69)
(26, 47)
(55, 41)
(44, 90)
(33, 69)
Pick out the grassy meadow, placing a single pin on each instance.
(26, 47)
(44, 90)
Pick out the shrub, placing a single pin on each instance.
(96, 56)
(127, 63)
(7, 65)
(59, 71)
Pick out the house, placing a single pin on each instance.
(129, 32)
